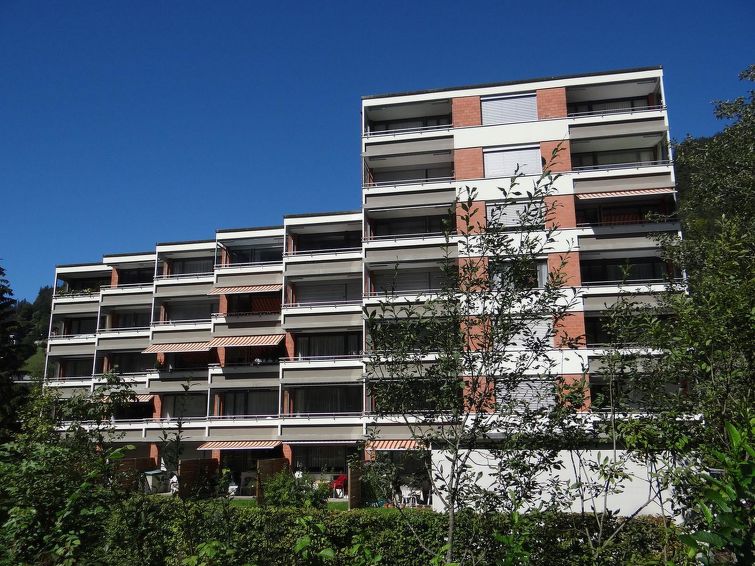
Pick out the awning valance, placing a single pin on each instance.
(272, 288)
(631, 193)
(180, 347)
(240, 341)
(385, 445)
(239, 445)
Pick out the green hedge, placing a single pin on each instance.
(156, 531)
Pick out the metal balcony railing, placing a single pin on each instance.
(183, 275)
(328, 251)
(632, 165)
(316, 304)
(185, 322)
(629, 110)
(416, 129)
(247, 264)
(401, 182)
(417, 236)
(332, 357)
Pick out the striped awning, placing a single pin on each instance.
(181, 347)
(632, 193)
(392, 445)
(143, 398)
(239, 341)
(239, 445)
(246, 289)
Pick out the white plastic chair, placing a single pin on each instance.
(408, 497)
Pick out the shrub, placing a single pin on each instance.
(285, 490)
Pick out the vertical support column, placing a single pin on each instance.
(114, 276)
(223, 304)
(288, 454)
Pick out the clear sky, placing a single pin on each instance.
(127, 123)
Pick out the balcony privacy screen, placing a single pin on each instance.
(509, 109)
(503, 163)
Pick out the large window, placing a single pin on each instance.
(409, 123)
(408, 280)
(509, 109)
(188, 266)
(255, 254)
(598, 158)
(501, 162)
(327, 399)
(314, 345)
(412, 225)
(251, 402)
(614, 105)
(618, 270)
(337, 241)
(335, 291)
(181, 405)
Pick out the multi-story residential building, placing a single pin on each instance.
(266, 325)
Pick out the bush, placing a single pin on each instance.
(157, 531)
(285, 490)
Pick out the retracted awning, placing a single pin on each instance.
(181, 347)
(239, 341)
(272, 288)
(631, 193)
(239, 445)
(384, 445)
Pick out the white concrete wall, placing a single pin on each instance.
(632, 497)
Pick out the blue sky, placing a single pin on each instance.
(127, 123)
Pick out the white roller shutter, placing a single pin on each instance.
(503, 163)
(515, 214)
(509, 109)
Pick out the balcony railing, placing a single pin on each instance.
(253, 363)
(333, 357)
(630, 221)
(321, 252)
(316, 304)
(183, 275)
(122, 329)
(243, 314)
(642, 281)
(608, 112)
(402, 292)
(82, 336)
(417, 129)
(185, 322)
(631, 165)
(418, 236)
(398, 183)
(75, 294)
(246, 264)
(144, 285)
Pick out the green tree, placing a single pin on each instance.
(455, 368)
(9, 359)
(59, 477)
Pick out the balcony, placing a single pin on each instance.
(612, 211)
(625, 271)
(620, 152)
(626, 97)
(400, 120)
(409, 163)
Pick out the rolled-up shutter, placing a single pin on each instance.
(514, 214)
(503, 163)
(509, 109)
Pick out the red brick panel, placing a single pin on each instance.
(290, 345)
(573, 382)
(114, 278)
(288, 454)
(570, 331)
(468, 163)
(561, 212)
(562, 161)
(477, 221)
(466, 111)
(551, 103)
(157, 407)
(479, 394)
(569, 271)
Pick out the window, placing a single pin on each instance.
(509, 109)
(328, 292)
(189, 266)
(407, 280)
(174, 406)
(615, 105)
(504, 162)
(519, 275)
(529, 394)
(251, 402)
(516, 214)
(598, 158)
(314, 345)
(618, 270)
(409, 123)
(328, 399)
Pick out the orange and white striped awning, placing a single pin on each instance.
(181, 347)
(240, 341)
(631, 193)
(392, 445)
(246, 289)
(143, 398)
(239, 445)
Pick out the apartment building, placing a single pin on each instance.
(255, 339)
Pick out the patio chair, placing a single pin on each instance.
(338, 485)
